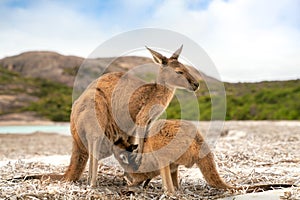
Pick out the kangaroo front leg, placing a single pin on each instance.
(93, 165)
(167, 179)
(138, 153)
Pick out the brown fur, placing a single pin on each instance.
(172, 143)
(125, 106)
(120, 106)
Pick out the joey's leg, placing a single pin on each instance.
(174, 176)
(167, 179)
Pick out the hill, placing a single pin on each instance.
(42, 64)
(40, 83)
(62, 69)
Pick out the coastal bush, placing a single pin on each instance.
(268, 100)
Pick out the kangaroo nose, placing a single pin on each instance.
(195, 86)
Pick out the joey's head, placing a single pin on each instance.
(125, 156)
(173, 73)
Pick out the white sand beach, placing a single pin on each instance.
(247, 153)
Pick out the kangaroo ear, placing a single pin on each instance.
(157, 57)
(176, 53)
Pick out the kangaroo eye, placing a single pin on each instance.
(179, 72)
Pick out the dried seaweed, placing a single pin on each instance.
(267, 153)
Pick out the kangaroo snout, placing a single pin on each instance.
(195, 86)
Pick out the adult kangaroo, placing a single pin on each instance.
(120, 106)
(171, 143)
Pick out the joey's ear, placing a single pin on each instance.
(176, 53)
(134, 146)
(124, 158)
(158, 58)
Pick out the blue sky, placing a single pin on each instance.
(248, 40)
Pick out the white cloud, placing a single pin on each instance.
(248, 40)
(48, 26)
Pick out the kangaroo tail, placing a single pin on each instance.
(76, 167)
(77, 164)
(210, 173)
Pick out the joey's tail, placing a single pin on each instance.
(210, 173)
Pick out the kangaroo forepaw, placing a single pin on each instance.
(138, 159)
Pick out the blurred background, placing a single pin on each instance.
(254, 44)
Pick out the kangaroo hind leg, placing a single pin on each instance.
(78, 162)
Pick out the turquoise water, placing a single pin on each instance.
(63, 129)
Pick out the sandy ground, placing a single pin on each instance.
(247, 153)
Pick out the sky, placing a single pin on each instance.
(248, 40)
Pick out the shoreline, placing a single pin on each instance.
(26, 129)
(30, 123)
(206, 127)
(48, 122)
